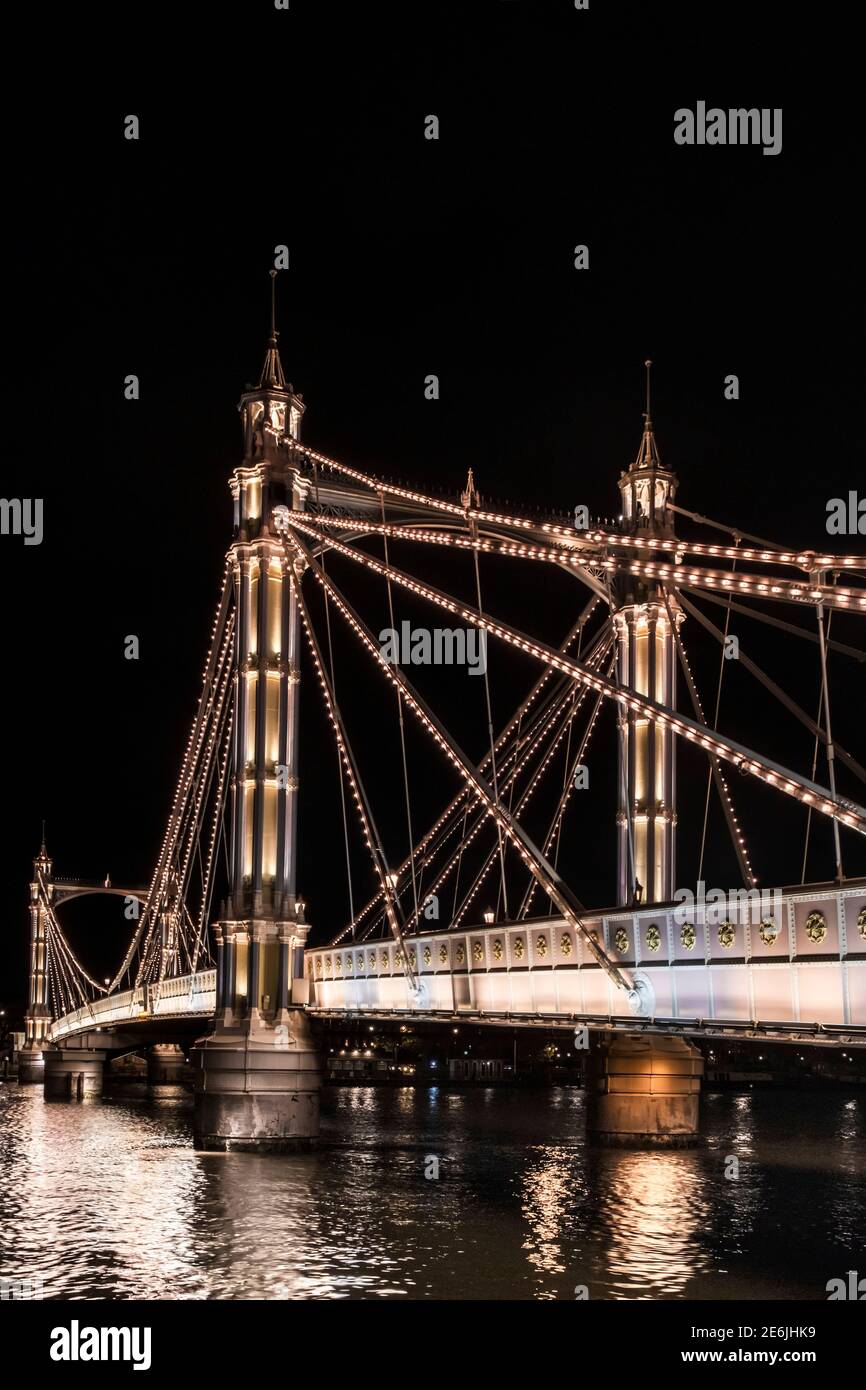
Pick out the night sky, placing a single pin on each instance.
(408, 257)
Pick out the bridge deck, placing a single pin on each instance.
(798, 972)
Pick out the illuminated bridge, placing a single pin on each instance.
(420, 941)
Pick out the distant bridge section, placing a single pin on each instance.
(186, 996)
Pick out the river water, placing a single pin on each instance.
(110, 1200)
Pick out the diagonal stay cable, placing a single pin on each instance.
(749, 762)
(571, 909)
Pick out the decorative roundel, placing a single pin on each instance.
(497, 949)
(861, 922)
(565, 944)
(443, 954)
(428, 955)
(688, 936)
(727, 935)
(653, 937)
(620, 940)
(816, 927)
(461, 953)
(541, 945)
(477, 952)
(519, 948)
(769, 931)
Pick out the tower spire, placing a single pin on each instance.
(648, 454)
(272, 371)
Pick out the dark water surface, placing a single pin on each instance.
(109, 1200)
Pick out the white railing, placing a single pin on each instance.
(187, 994)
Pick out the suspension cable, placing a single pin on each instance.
(737, 838)
(831, 761)
(549, 879)
(441, 826)
(494, 778)
(401, 723)
(710, 766)
(781, 695)
(556, 822)
(368, 824)
(339, 759)
(748, 762)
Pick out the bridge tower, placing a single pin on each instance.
(646, 662)
(644, 1089)
(257, 1075)
(37, 1020)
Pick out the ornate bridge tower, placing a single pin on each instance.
(257, 1076)
(37, 1020)
(646, 661)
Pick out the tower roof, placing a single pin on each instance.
(272, 370)
(648, 453)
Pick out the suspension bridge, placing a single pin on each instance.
(648, 972)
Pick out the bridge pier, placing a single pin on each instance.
(73, 1073)
(643, 1089)
(31, 1065)
(166, 1065)
(257, 1085)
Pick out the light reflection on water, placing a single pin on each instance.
(109, 1200)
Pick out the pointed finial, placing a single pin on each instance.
(43, 850)
(272, 371)
(469, 496)
(648, 454)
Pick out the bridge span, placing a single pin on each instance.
(804, 970)
(801, 976)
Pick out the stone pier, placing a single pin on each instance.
(73, 1073)
(643, 1089)
(166, 1065)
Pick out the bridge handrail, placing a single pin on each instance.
(198, 991)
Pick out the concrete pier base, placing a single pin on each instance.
(73, 1074)
(257, 1084)
(643, 1090)
(31, 1066)
(166, 1065)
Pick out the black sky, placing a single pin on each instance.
(408, 257)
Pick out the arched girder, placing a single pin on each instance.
(65, 894)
